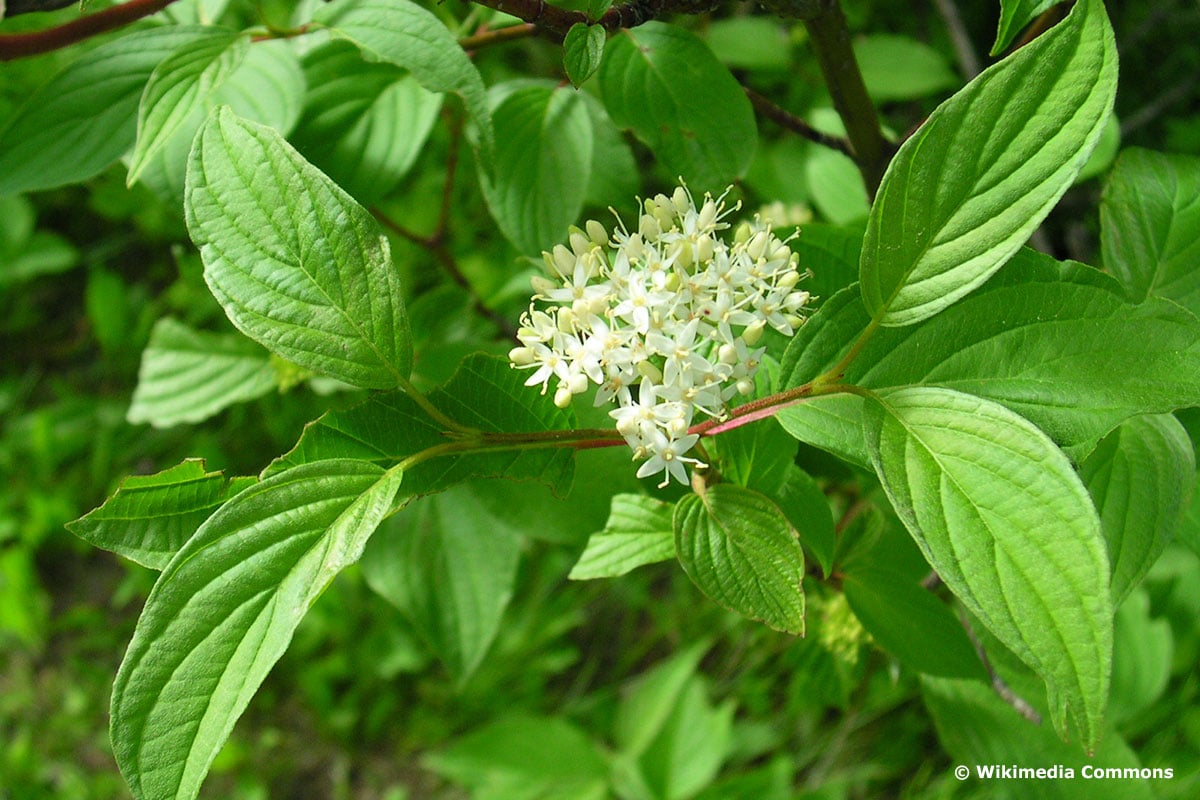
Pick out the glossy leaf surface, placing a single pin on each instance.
(667, 86)
(189, 375)
(966, 190)
(224, 610)
(1008, 526)
(297, 264)
(737, 546)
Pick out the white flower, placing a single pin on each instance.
(668, 457)
(671, 310)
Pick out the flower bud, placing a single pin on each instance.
(562, 397)
(627, 426)
(758, 245)
(753, 332)
(727, 354)
(681, 200)
(542, 285)
(578, 383)
(596, 232)
(795, 300)
(648, 227)
(705, 249)
(745, 387)
(708, 214)
(580, 243)
(521, 356)
(648, 370)
(666, 220)
(634, 247)
(789, 279)
(686, 254)
(742, 234)
(564, 261)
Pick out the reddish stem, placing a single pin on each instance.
(22, 45)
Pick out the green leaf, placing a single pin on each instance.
(523, 750)
(85, 117)
(665, 84)
(188, 375)
(543, 155)
(638, 532)
(202, 11)
(1054, 342)
(688, 751)
(450, 567)
(750, 42)
(596, 8)
(1105, 153)
(269, 86)
(24, 604)
(807, 509)
(979, 730)
(831, 254)
(965, 192)
(1189, 529)
(1140, 477)
(402, 33)
(364, 124)
(149, 517)
(620, 177)
(1141, 658)
(910, 622)
(837, 186)
(1006, 523)
(266, 87)
(757, 456)
(182, 81)
(737, 546)
(1015, 15)
(1150, 226)
(296, 263)
(900, 68)
(647, 706)
(26, 253)
(485, 393)
(224, 610)
(583, 48)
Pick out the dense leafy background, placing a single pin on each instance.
(397, 686)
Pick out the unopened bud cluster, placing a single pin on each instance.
(664, 320)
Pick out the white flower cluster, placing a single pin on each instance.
(664, 320)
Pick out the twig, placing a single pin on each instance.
(22, 45)
(1044, 22)
(445, 259)
(440, 230)
(788, 120)
(964, 51)
(1019, 704)
(830, 38)
(485, 38)
(1149, 112)
(853, 512)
